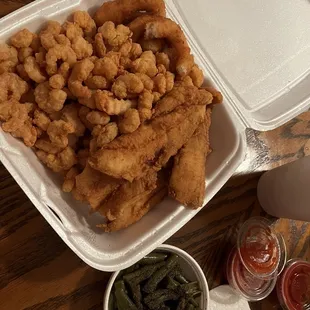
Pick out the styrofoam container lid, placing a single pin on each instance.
(253, 52)
(258, 50)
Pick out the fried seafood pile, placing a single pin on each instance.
(115, 104)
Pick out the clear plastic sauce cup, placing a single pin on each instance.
(293, 286)
(255, 263)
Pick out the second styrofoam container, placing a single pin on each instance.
(221, 52)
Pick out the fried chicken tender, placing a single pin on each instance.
(70, 114)
(114, 35)
(84, 20)
(57, 81)
(24, 52)
(131, 201)
(22, 38)
(62, 161)
(150, 146)
(182, 95)
(33, 70)
(169, 30)
(8, 58)
(127, 84)
(99, 46)
(80, 73)
(49, 100)
(72, 30)
(58, 132)
(12, 86)
(104, 134)
(97, 118)
(69, 180)
(190, 165)
(59, 52)
(82, 48)
(129, 122)
(121, 11)
(94, 187)
(145, 64)
(163, 83)
(107, 103)
(41, 119)
(97, 82)
(45, 144)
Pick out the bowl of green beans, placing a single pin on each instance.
(166, 279)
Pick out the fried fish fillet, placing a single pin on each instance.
(187, 181)
(131, 156)
(182, 95)
(133, 200)
(94, 187)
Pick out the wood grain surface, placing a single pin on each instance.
(38, 271)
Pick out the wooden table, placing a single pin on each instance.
(38, 271)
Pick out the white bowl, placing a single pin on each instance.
(190, 267)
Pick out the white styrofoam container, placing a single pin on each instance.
(255, 52)
(191, 269)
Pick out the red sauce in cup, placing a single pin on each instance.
(259, 250)
(293, 288)
(249, 286)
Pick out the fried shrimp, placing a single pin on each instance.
(59, 52)
(80, 73)
(120, 11)
(168, 29)
(12, 86)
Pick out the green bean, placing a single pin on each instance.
(154, 300)
(180, 278)
(190, 288)
(122, 299)
(182, 304)
(193, 301)
(143, 273)
(136, 294)
(171, 283)
(153, 258)
(189, 307)
(160, 274)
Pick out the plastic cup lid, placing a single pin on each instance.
(293, 287)
(261, 249)
(224, 297)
